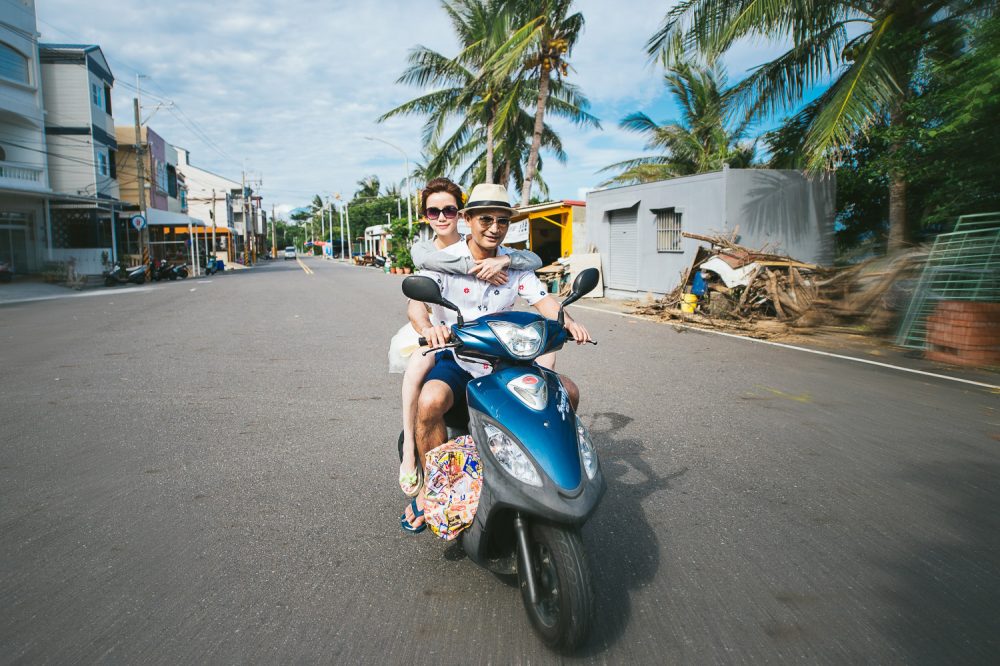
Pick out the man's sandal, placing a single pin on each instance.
(410, 482)
(417, 513)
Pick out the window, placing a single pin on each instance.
(95, 95)
(668, 230)
(13, 65)
(102, 163)
(107, 98)
(112, 166)
(171, 181)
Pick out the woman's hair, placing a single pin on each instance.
(440, 185)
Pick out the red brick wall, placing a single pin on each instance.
(964, 333)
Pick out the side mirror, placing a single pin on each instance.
(584, 283)
(424, 289)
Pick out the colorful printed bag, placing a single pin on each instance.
(453, 474)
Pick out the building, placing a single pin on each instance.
(552, 230)
(167, 216)
(210, 199)
(77, 86)
(24, 176)
(638, 229)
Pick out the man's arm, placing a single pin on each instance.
(437, 336)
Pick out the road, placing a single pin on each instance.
(204, 472)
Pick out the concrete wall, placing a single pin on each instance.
(66, 87)
(71, 164)
(783, 210)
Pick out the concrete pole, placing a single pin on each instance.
(341, 211)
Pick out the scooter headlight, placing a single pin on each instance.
(520, 341)
(587, 451)
(511, 457)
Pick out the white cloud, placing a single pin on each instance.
(293, 88)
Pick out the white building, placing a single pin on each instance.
(210, 199)
(24, 179)
(80, 140)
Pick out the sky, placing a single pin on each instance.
(289, 91)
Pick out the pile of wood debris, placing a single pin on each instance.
(766, 295)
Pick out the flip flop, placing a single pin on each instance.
(417, 513)
(410, 482)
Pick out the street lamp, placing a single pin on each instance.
(409, 213)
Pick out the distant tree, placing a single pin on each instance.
(368, 187)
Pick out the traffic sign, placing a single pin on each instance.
(139, 222)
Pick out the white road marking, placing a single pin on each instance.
(803, 349)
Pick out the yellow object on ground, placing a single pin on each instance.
(688, 303)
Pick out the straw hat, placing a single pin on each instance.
(490, 196)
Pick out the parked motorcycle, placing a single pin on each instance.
(159, 270)
(119, 274)
(178, 271)
(541, 476)
(210, 265)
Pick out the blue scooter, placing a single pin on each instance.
(541, 476)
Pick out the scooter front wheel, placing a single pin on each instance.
(564, 610)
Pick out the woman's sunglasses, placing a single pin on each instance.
(450, 212)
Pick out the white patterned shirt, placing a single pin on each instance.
(475, 298)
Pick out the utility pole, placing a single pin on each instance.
(141, 175)
(213, 223)
(350, 244)
(246, 222)
(330, 208)
(341, 211)
(274, 237)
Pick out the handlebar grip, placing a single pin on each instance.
(422, 341)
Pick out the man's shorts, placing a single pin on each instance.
(447, 370)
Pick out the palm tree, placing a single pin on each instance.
(368, 187)
(540, 49)
(705, 139)
(489, 141)
(476, 100)
(872, 73)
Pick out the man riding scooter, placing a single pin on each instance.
(489, 215)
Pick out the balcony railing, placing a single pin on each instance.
(20, 173)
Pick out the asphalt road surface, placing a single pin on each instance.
(205, 472)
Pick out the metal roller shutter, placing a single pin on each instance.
(624, 258)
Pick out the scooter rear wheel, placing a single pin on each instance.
(565, 608)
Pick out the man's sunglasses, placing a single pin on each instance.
(487, 221)
(450, 212)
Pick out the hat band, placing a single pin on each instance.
(487, 204)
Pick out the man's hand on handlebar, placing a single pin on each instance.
(578, 331)
(436, 336)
